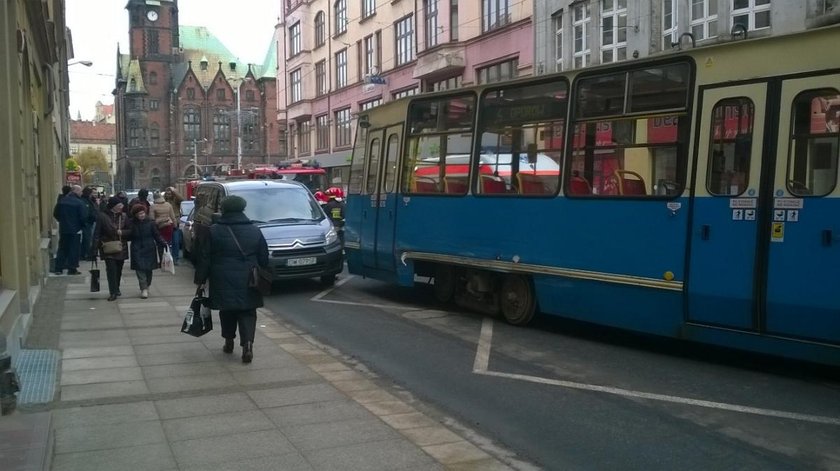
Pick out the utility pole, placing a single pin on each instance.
(195, 159)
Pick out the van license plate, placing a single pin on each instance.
(299, 262)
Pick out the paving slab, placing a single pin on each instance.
(156, 457)
(93, 363)
(76, 417)
(204, 405)
(84, 352)
(372, 456)
(105, 375)
(83, 392)
(210, 450)
(216, 425)
(334, 434)
(294, 395)
(288, 417)
(103, 437)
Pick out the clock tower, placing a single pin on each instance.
(153, 29)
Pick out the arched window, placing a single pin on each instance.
(221, 130)
(152, 78)
(340, 8)
(192, 127)
(250, 135)
(320, 31)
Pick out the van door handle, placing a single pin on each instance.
(827, 237)
(705, 229)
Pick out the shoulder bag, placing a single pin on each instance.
(258, 278)
(113, 247)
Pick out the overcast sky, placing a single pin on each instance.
(245, 27)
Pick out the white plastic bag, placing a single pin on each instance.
(166, 262)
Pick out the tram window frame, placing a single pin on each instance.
(794, 183)
(373, 158)
(597, 115)
(358, 162)
(392, 154)
(526, 138)
(717, 159)
(430, 119)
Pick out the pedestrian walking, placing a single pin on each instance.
(113, 229)
(163, 216)
(89, 199)
(71, 214)
(146, 248)
(141, 198)
(227, 258)
(174, 198)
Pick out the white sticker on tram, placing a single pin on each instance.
(742, 203)
(482, 361)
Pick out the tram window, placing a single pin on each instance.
(373, 167)
(393, 151)
(521, 143)
(357, 162)
(601, 96)
(659, 88)
(438, 149)
(815, 143)
(730, 147)
(632, 157)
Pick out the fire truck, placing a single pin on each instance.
(310, 174)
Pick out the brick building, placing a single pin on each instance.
(185, 106)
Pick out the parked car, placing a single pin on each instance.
(302, 242)
(185, 210)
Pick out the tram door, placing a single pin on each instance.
(804, 254)
(728, 203)
(380, 185)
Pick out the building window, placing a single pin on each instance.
(154, 105)
(404, 34)
(340, 8)
(152, 78)
(404, 93)
(580, 24)
(341, 68)
(448, 84)
(494, 14)
(669, 23)
(321, 78)
(191, 94)
(372, 52)
(154, 136)
(304, 135)
(221, 130)
(431, 11)
(368, 8)
(704, 19)
(220, 93)
(192, 127)
(249, 131)
(342, 128)
(320, 29)
(322, 133)
(557, 19)
(751, 14)
(370, 104)
(613, 31)
(249, 95)
(453, 20)
(498, 72)
(296, 86)
(135, 134)
(294, 39)
(152, 41)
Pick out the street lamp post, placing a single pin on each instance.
(239, 125)
(195, 156)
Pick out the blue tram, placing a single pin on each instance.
(692, 195)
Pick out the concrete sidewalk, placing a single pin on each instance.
(134, 394)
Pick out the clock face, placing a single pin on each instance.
(152, 15)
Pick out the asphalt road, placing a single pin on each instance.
(562, 395)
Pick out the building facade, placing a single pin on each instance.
(99, 136)
(185, 106)
(575, 34)
(34, 48)
(339, 57)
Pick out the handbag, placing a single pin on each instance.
(113, 247)
(198, 320)
(258, 278)
(94, 276)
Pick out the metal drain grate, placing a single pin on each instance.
(37, 372)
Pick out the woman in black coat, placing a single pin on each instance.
(113, 225)
(146, 246)
(227, 266)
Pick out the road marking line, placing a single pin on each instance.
(331, 288)
(353, 303)
(482, 359)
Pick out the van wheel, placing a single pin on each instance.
(328, 280)
(517, 300)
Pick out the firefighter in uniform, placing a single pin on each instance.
(335, 210)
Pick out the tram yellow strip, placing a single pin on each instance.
(513, 267)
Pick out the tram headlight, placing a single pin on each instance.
(332, 236)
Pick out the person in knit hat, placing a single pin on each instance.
(146, 247)
(113, 225)
(226, 258)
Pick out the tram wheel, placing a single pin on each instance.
(517, 303)
(444, 283)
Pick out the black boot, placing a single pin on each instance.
(228, 348)
(247, 352)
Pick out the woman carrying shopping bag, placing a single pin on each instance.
(146, 247)
(163, 215)
(113, 230)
